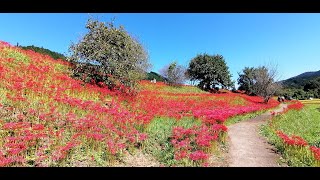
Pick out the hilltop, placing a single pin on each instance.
(300, 80)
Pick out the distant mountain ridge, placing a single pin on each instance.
(301, 79)
(308, 74)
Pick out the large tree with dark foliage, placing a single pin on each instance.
(109, 54)
(246, 80)
(210, 71)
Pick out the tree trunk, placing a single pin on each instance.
(208, 86)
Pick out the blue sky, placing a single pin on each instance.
(291, 41)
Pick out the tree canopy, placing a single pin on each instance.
(246, 80)
(174, 73)
(110, 55)
(209, 71)
(259, 81)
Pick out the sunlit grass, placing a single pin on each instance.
(240, 118)
(313, 101)
(305, 124)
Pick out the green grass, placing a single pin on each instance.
(18, 57)
(238, 101)
(183, 89)
(313, 101)
(304, 123)
(173, 89)
(239, 118)
(159, 136)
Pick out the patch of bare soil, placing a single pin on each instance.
(139, 159)
(219, 158)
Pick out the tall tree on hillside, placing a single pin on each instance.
(109, 54)
(174, 73)
(265, 84)
(260, 81)
(209, 71)
(246, 80)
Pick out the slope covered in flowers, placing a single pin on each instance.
(49, 119)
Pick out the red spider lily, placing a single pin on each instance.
(69, 146)
(14, 125)
(96, 136)
(37, 127)
(143, 136)
(198, 155)
(219, 127)
(316, 152)
(5, 44)
(20, 145)
(180, 155)
(191, 140)
(59, 108)
(293, 140)
(4, 161)
(14, 151)
(297, 105)
(111, 147)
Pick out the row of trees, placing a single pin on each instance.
(212, 71)
(209, 70)
(110, 55)
(42, 50)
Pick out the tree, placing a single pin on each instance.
(174, 73)
(153, 75)
(264, 82)
(313, 87)
(246, 80)
(259, 81)
(110, 55)
(209, 71)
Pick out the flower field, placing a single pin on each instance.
(295, 134)
(48, 118)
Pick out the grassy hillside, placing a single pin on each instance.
(296, 134)
(49, 119)
(300, 80)
(45, 51)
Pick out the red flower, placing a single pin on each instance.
(316, 152)
(37, 127)
(198, 155)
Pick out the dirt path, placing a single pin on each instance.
(249, 149)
